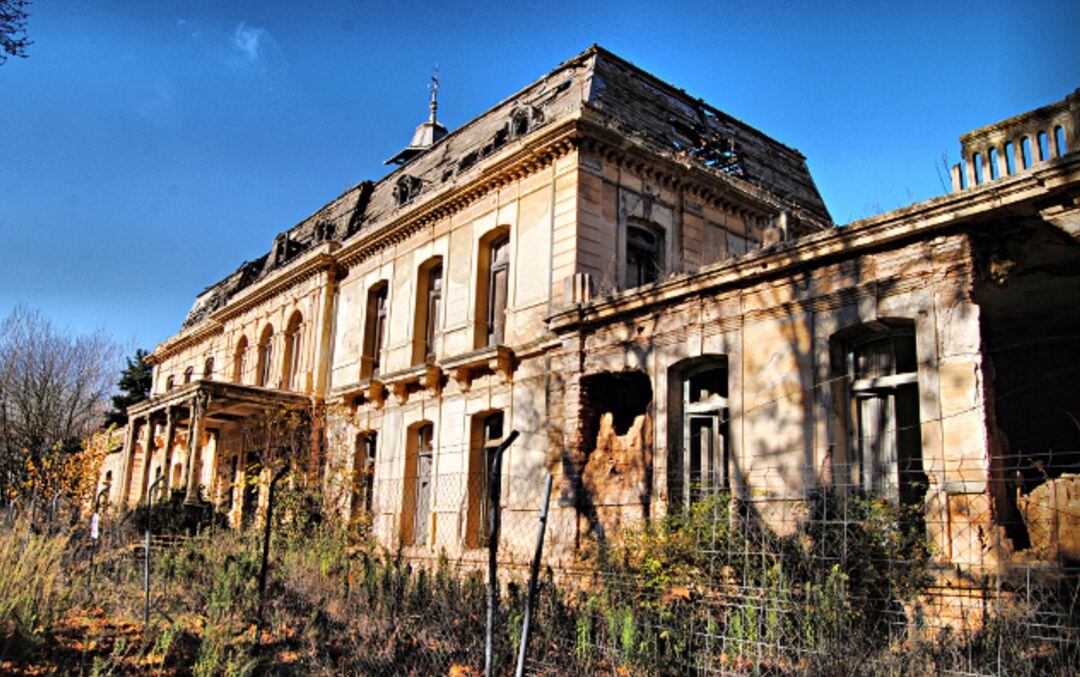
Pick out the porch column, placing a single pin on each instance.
(170, 437)
(195, 426)
(148, 456)
(129, 457)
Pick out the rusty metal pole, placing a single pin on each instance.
(494, 498)
(534, 573)
(266, 551)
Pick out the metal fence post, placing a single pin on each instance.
(494, 498)
(146, 552)
(95, 534)
(530, 601)
(266, 551)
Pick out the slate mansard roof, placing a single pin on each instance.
(595, 85)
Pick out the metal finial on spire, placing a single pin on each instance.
(434, 92)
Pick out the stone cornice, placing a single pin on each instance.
(531, 156)
(308, 265)
(1004, 196)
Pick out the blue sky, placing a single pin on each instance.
(147, 148)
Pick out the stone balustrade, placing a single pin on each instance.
(1018, 144)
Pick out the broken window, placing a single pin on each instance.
(519, 123)
(208, 368)
(291, 378)
(265, 365)
(406, 190)
(883, 411)
(374, 329)
(699, 464)
(644, 254)
(240, 360)
(428, 307)
(487, 433)
(363, 486)
(416, 512)
(493, 288)
(170, 383)
(189, 373)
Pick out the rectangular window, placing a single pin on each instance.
(705, 448)
(363, 475)
(644, 255)
(884, 418)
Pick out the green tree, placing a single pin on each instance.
(135, 382)
(13, 40)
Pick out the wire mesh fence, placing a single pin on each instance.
(702, 564)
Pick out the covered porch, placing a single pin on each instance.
(205, 438)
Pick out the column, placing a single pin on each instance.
(1002, 162)
(148, 456)
(969, 170)
(129, 457)
(321, 365)
(195, 426)
(170, 438)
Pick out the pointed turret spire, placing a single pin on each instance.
(427, 133)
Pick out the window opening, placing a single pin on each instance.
(644, 255)
(375, 332)
(487, 434)
(498, 285)
(884, 418)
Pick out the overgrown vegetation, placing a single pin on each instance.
(706, 589)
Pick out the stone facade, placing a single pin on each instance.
(652, 294)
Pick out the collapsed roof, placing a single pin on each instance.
(613, 93)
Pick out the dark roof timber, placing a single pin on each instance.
(614, 93)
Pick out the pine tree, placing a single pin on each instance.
(135, 382)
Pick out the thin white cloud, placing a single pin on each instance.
(249, 41)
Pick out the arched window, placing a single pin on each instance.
(1025, 151)
(374, 329)
(265, 366)
(1010, 158)
(208, 368)
(492, 288)
(644, 254)
(428, 309)
(992, 158)
(1059, 141)
(240, 360)
(293, 334)
(486, 434)
(170, 383)
(416, 500)
(189, 374)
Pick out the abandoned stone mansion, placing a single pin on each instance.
(651, 293)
